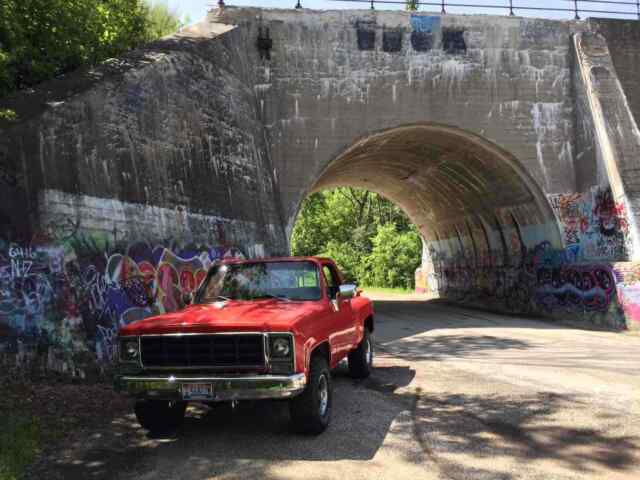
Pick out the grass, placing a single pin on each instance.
(19, 444)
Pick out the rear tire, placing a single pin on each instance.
(361, 359)
(160, 416)
(311, 410)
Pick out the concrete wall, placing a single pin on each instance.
(331, 79)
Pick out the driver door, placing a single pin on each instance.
(341, 313)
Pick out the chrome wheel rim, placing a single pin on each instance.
(369, 352)
(323, 394)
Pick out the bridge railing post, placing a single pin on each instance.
(576, 9)
(511, 8)
(444, 10)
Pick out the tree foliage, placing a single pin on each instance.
(163, 21)
(371, 239)
(411, 5)
(40, 39)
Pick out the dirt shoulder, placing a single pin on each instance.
(46, 424)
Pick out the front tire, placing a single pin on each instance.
(361, 359)
(159, 416)
(311, 410)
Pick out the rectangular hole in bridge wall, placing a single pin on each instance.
(392, 41)
(453, 40)
(421, 41)
(366, 38)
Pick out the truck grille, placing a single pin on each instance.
(203, 351)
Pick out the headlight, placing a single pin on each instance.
(281, 347)
(129, 349)
(281, 353)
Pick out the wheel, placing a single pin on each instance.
(311, 410)
(159, 416)
(361, 359)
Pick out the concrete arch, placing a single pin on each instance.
(456, 186)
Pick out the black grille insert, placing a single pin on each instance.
(201, 351)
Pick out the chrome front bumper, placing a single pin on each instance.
(256, 387)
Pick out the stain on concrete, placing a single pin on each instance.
(265, 43)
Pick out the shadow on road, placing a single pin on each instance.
(459, 346)
(516, 432)
(214, 441)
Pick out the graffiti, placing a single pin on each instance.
(609, 215)
(594, 226)
(628, 288)
(543, 280)
(589, 288)
(422, 282)
(73, 298)
(425, 24)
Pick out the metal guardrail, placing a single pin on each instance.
(628, 8)
(621, 8)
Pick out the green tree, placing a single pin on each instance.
(411, 5)
(163, 21)
(393, 259)
(343, 224)
(41, 39)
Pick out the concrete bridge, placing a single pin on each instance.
(512, 144)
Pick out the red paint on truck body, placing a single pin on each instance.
(312, 322)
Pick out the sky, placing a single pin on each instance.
(197, 9)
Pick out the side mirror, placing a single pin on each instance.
(347, 291)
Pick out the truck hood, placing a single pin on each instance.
(256, 316)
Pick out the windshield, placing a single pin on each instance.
(259, 280)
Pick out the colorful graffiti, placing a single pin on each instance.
(581, 280)
(422, 283)
(594, 225)
(628, 289)
(542, 283)
(71, 300)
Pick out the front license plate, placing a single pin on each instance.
(197, 391)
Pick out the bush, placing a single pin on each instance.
(41, 39)
(393, 261)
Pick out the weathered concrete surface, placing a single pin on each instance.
(456, 394)
(321, 90)
(498, 135)
(174, 126)
(120, 186)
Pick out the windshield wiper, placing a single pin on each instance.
(221, 297)
(278, 297)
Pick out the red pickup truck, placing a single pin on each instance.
(255, 329)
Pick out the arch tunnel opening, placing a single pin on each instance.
(483, 219)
